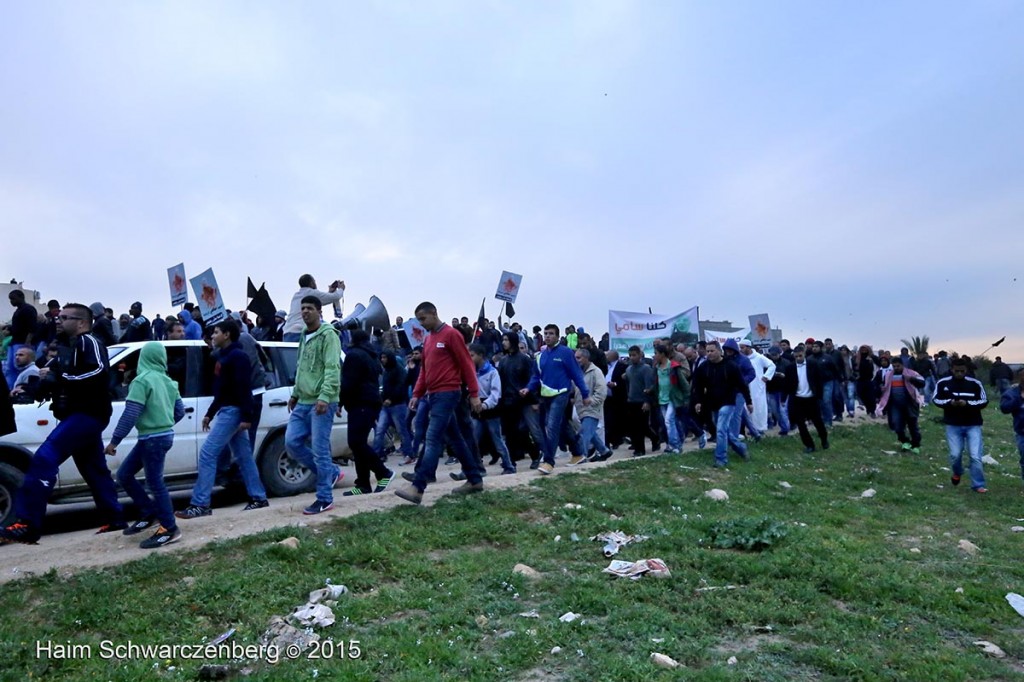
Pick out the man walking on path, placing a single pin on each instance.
(1012, 402)
(360, 396)
(716, 385)
(805, 385)
(901, 400)
(446, 368)
(558, 371)
(590, 415)
(962, 398)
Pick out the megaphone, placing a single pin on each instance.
(343, 324)
(373, 316)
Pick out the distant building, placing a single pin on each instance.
(724, 327)
(31, 296)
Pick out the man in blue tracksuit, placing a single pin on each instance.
(558, 371)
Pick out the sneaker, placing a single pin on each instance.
(355, 490)
(672, 451)
(457, 475)
(256, 504)
(535, 464)
(825, 446)
(468, 488)
(702, 442)
(745, 455)
(904, 446)
(451, 460)
(112, 527)
(410, 476)
(139, 526)
(407, 461)
(955, 479)
(604, 457)
(637, 453)
(410, 494)
(193, 511)
(916, 451)
(383, 483)
(338, 475)
(506, 472)
(546, 468)
(809, 450)
(160, 538)
(981, 490)
(576, 460)
(494, 460)
(318, 507)
(19, 532)
(720, 465)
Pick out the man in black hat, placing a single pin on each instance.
(139, 328)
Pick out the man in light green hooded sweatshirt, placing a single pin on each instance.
(153, 407)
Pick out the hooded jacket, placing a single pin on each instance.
(193, 330)
(912, 381)
(740, 360)
(594, 379)
(80, 380)
(101, 327)
(231, 382)
(360, 378)
(517, 372)
(317, 377)
(716, 385)
(153, 405)
(395, 377)
(559, 371)
(490, 388)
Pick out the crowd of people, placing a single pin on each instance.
(470, 391)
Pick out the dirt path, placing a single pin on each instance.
(77, 550)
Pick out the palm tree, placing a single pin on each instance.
(916, 344)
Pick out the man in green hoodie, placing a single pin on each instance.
(153, 407)
(313, 403)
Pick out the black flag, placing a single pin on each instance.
(251, 289)
(998, 342)
(261, 304)
(482, 317)
(509, 310)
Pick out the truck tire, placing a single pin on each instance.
(282, 475)
(10, 481)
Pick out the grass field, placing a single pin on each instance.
(843, 595)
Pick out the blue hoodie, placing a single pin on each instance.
(746, 369)
(490, 385)
(192, 329)
(559, 371)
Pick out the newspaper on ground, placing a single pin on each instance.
(634, 570)
(615, 540)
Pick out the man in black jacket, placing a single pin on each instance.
(1000, 376)
(360, 396)
(962, 398)
(518, 402)
(830, 375)
(615, 403)
(79, 386)
(231, 414)
(395, 405)
(777, 393)
(716, 385)
(804, 385)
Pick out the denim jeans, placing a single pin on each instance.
(291, 336)
(827, 412)
(224, 432)
(1020, 449)
(149, 454)
(398, 416)
(850, 390)
(668, 414)
(307, 428)
(726, 436)
(419, 430)
(929, 389)
(777, 408)
(741, 416)
(556, 426)
(78, 436)
(589, 438)
(493, 426)
(441, 426)
(956, 438)
(224, 461)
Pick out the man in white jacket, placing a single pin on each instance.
(490, 398)
(764, 370)
(590, 415)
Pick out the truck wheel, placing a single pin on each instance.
(282, 475)
(10, 481)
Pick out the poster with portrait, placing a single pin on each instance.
(508, 287)
(760, 332)
(178, 284)
(210, 302)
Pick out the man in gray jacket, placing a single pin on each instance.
(642, 385)
(590, 415)
(489, 418)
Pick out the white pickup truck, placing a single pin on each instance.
(190, 364)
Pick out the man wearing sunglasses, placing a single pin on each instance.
(78, 385)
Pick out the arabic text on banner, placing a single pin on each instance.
(627, 329)
(722, 337)
(508, 286)
(211, 304)
(178, 284)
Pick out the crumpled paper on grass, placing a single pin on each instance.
(634, 570)
(614, 540)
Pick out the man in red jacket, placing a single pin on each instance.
(446, 370)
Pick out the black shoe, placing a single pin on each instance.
(458, 476)
(602, 458)
(809, 450)
(451, 460)
(256, 504)
(193, 511)
(353, 491)
(383, 483)
(639, 454)
(494, 460)
(140, 525)
(160, 538)
(20, 533)
(825, 445)
(318, 507)
(410, 476)
(112, 527)
(534, 463)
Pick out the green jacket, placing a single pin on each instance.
(318, 376)
(155, 390)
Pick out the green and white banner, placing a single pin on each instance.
(627, 329)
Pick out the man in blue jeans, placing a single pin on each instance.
(716, 385)
(446, 368)
(558, 372)
(1012, 402)
(962, 398)
(395, 405)
(230, 414)
(79, 385)
(314, 402)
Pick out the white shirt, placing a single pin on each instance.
(294, 323)
(803, 386)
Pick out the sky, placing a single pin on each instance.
(853, 170)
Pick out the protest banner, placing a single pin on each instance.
(415, 331)
(627, 329)
(178, 284)
(760, 332)
(211, 304)
(508, 287)
(722, 337)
